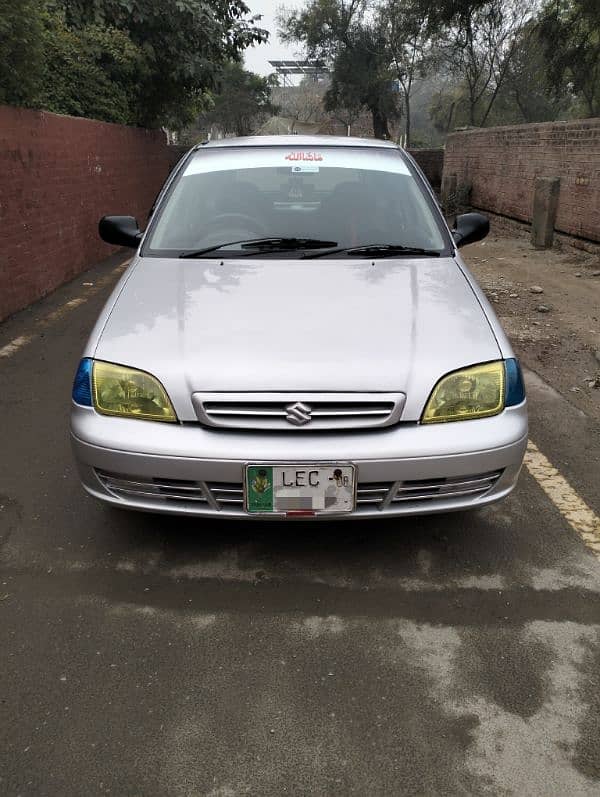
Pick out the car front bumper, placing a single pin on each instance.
(191, 470)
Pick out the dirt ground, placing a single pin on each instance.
(555, 331)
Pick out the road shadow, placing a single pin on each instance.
(495, 545)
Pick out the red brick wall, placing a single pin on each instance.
(58, 176)
(500, 165)
(431, 162)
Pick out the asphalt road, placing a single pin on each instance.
(142, 655)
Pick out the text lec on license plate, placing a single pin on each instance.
(299, 488)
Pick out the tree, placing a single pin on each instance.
(571, 32)
(242, 102)
(185, 43)
(479, 50)
(361, 77)
(528, 91)
(91, 71)
(407, 28)
(449, 107)
(347, 115)
(342, 34)
(21, 51)
(160, 61)
(302, 103)
(448, 13)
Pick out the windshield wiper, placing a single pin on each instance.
(265, 245)
(379, 250)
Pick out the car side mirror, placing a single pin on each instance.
(120, 231)
(469, 228)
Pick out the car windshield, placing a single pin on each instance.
(227, 199)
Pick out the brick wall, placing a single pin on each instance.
(58, 176)
(176, 153)
(500, 166)
(431, 162)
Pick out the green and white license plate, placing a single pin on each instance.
(300, 489)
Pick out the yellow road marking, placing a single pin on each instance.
(57, 314)
(18, 343)
(572, 507)
(15, 345)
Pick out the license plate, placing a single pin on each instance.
(299, 489)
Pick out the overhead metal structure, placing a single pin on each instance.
(314, 69)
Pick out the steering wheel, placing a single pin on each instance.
(246, 222)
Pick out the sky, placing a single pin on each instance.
(257, 58)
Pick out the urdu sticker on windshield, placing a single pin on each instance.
(304, 156)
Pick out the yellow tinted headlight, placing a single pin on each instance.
(475, 392)
(129, 393)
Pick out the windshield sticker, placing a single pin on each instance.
(304, 156)
(305, 167)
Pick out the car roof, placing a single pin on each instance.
(298, 141)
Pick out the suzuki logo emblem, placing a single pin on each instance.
(298, 414)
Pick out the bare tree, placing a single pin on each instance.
(303, 103)
(347, 115)
(480, 48)
(406, 27)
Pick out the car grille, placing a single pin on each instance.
(387, 494)
(304, 411)
(159, 490)
(229, 496)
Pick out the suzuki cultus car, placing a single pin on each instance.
(297, 336)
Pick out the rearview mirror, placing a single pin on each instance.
(120, 231)
(469, 228)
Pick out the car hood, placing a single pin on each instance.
(297, 325)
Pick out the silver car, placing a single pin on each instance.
(297, 337)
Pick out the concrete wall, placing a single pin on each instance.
(500, 164)
(58, 176)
